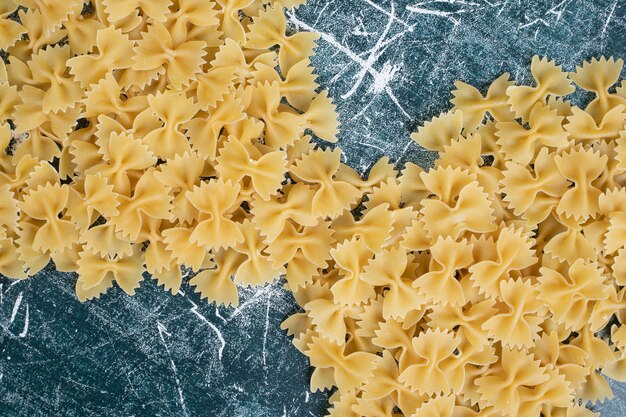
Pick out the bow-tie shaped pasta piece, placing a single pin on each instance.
(144, 123)
(599, 355)
(582, 167)
(303, 250)
(150, 198)
(440, 284)
(181, 174)
(387, 192)
(282, 127)
(299, 84)
(48, 73)
(90, 198)
(269, 29)
(514, 252)
(82, 30)
(204, 131)
(471, 212)
(515, 370)
(272, 215)
(380, 172)
(19, 173)
(350, 371)
(121, 9)
(97, 273)
(549, 80)
(467, 319)
(231, 55)
(126, 154)
(568, 360)
(598, 76)
(184, 251)
(445, 182)
(412, 188)
(374, 227)
(397, 337)
(519, 144)
(114, 48)
(174, 109)
(230, 22)
(432, 369)
(620, 150)
(39, 27)
(266, 172)
(105, 98)
(571, 244)
(213, 85)
(9, 96)
(54, 13)
(391, 269)
(384, 383)
(10, 30)
(465, 153)
(9, 212)
(11, 265)
(216, 200)
(517, 322)
(45, 203)
(332, 197)
(258, 268)
(534, 193)
(351, 257)
(322, 118)
(471, 103)
(581, 126)
(570, 295)
(216, 284)
(193, 17)
(329, 319)
(156, 51)
(439, 131)
(104, 240)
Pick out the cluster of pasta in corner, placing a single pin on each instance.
(492, 284)
(151, 135)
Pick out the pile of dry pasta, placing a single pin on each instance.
(155, 135)
(478, 287)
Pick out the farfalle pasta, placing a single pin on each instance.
(144, 138)
(481, 283)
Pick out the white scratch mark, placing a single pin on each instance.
(217, 331)
(374, 54)
(249, 301)
(16, 307)
(330, 39)
(608, 20)
(24, 331)
(267, 325)
(391, 15)
(162, 330)
(440, 13)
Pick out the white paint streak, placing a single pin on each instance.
(391, 15)
(16, 307)
(162, 330)
(608, 20)
(217, 331)
(24, 331)
(439, 13)
(267, 325)
(330, 39)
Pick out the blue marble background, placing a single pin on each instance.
(389, 65)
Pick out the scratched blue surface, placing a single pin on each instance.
(389, 65)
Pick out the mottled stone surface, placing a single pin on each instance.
(389, 65)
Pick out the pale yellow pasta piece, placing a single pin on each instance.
(374, 227)
(581, 126)
(10, 30)
(156, 50)
(350, 257)
(237, 161)
(473, 105)
(440, 131)
(114, 50)
(332, 196)
(440, 284)
(597, 76)
(349, 370)
(519, 144)
(268, 29)
(549, 80)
